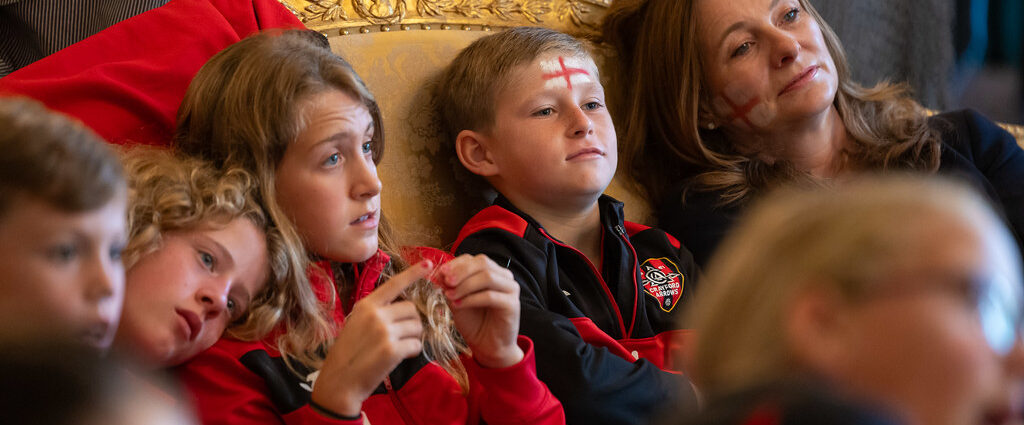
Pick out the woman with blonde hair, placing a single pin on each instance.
(202, 259)
(903, 294)
(721, 100)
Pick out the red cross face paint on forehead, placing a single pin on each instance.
(743, 109)
(563, 72)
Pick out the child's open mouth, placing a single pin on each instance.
(367, 219)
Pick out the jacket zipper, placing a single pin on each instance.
(604, 285)
(397, 401)
(636, 292)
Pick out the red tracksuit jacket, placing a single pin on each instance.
(247, 382)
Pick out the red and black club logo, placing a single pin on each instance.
(662, 280)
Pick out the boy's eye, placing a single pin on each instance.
(544, 112)
(116, 251)
(63, 253)
(332, 160)
(742, 50)
(207, 260)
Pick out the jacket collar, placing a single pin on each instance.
(610, 208)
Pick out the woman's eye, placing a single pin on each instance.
(368, 147)
(742, 50)
(332, 160)
(791, 15)
(544, 112)
(207, 260)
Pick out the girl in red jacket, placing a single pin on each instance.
(283, 106)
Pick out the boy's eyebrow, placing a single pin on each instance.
(737, 25)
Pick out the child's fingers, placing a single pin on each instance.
(398, 311)
(406, 329)
(483, 280)
(390, 290)
(407, 347)
(492, 300)
(457, 271)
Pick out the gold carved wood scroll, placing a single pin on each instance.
(345, 16)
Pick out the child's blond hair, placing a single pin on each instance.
(169, 192)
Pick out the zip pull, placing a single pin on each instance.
(620, 230)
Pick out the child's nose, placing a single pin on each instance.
(212, 295)
(103, 279)
(365, 183)
(581, 124)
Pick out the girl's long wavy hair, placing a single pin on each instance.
(243, 109)
(658, 85)
(169, 192)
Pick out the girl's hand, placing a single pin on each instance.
(378, 334)
(484, 299)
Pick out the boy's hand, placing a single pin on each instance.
(378, 334)
(484, 299)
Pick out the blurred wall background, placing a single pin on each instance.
(953, 53)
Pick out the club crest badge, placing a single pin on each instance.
(663, 281)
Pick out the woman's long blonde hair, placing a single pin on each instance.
(658, 87)
(169, 192)
(845, 240)
(244, 108)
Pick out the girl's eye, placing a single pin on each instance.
(544, 112)
(368, 147)
(232, 305)
(207, 260)
(742, 50)
(332, 160)
(590, 106)
(791, 15)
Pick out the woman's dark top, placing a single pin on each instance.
(974, 149)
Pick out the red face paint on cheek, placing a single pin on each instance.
(563, 72)
(743, 109)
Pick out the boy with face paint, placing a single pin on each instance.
(525, 110)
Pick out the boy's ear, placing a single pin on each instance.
(473, 153)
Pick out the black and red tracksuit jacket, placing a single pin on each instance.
(605, 339)
(247, 382)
